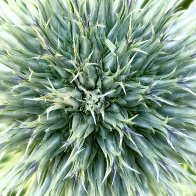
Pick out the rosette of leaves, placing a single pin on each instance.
(99, 98)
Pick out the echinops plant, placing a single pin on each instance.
(98, 98)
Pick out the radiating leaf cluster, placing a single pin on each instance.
(99, 99)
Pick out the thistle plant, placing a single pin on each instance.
(98, 99)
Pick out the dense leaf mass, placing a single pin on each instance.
(99, 98)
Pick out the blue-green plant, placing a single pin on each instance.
(99, 98)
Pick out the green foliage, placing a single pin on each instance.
(99, 98)
(184, 4)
